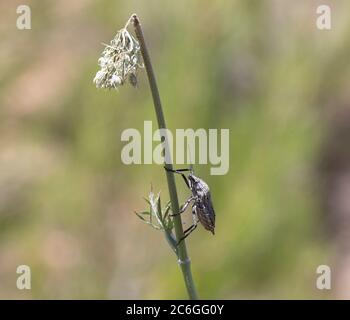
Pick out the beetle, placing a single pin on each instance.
(202, 207)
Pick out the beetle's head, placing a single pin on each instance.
(193, 179)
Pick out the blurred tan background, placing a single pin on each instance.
(260, 68)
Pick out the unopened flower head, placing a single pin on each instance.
(120, 60)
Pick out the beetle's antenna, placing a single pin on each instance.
(189, 153)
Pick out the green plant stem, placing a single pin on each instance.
(181, 251)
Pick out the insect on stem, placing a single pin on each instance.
(181, 250)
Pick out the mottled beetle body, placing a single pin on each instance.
(202, 207)
(202, 204)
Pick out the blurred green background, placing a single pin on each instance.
(260, 68)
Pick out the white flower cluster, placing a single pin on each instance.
(120, 61)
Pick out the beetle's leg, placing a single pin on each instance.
(189, 230)
(177, 170)
(184, 207)
(188, 183)
(180, 172)
(194, 219)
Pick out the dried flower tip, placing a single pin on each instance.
(133, 79)
(120, 60)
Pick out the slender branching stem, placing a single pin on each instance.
(183, 259)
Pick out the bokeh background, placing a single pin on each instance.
(260, 68)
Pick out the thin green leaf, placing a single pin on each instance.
(159, 208)
(146, 200)
(144, 212)
(166, 210)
